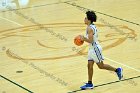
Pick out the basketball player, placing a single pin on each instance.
(95, 50)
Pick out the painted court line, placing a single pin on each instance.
(122, 64)
(16, 84)
(5, 77)
(104, 84)
(11, 21)
(83, 9)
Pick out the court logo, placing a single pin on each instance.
(108, 40)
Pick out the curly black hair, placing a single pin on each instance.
(91, 16)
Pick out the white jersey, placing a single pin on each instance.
(95, 50)
(95, 36)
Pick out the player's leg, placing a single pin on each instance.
(118, 71)
(90, 70)
(89, 85)
(101, 65)
(99, 60)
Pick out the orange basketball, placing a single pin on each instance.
(78, 41)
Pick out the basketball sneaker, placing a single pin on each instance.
(87, 86)
(119, 73)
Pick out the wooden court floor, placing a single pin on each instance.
(37, 53)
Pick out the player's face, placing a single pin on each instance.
(86, 20)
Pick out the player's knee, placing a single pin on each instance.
(100, 66)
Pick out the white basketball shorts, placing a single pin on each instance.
(95, 54)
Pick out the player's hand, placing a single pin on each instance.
(82, 37)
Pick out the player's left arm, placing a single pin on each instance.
(90, 35)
